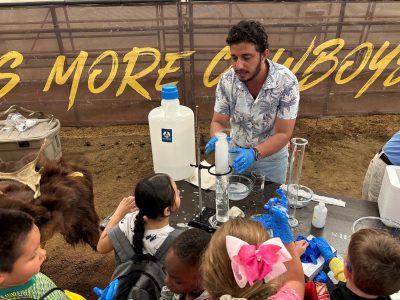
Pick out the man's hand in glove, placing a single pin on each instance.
(210, 146)
(244, 160)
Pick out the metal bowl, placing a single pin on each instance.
(239, 187)
(305, 195)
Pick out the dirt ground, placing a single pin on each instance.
(336, 159)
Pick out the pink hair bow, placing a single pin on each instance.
(250, 263)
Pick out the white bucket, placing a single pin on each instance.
(388, 200)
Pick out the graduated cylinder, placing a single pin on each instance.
(297, 150)
(221, 180)
(172, 136)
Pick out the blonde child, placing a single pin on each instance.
(225, 276)
(141, 221)
(243, 262)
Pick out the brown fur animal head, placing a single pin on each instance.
(66, 203)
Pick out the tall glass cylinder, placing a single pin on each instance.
(297, 150)
(222, 182)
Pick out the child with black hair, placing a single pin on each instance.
(143, 220)
(182, 265)
(20, 259)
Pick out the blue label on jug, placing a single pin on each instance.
(166, 135)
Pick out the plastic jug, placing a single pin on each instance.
(172, 136)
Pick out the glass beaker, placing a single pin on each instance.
(258, 181)
(297, 149)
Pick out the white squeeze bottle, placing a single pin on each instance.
(172, 136)
(319, 215)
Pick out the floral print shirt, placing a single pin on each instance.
(252, 120)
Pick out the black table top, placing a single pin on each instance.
(337, 230)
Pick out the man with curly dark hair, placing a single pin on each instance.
(260, 99)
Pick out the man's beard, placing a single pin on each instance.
(256, 72)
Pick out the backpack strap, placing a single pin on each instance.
(162, 251)
(50, 291)
(122, 247)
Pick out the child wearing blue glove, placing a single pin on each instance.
(249, 232)
(242, 261)
(372, 265)
(371, 268)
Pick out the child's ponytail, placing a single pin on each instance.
(153, 195)
(138, 233)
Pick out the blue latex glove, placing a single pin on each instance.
(244, 160)
(210, 146)
(279, 219)
(109, 292)
(324, 248)
(265, 220)
(322, 277)
(281, 200)
(312, 252)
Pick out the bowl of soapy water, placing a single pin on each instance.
(304, 195)
(240, 187)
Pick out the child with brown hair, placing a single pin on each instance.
(371, 267)
(242, 261)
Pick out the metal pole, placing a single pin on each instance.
(198, 159)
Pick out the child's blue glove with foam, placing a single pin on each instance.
(278, 219)
(109, 292)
